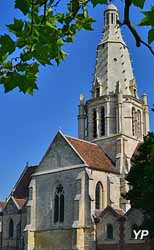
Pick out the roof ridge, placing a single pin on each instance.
(94, 144)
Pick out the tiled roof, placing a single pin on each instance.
(92, 154)
(116, 212)
(21, 202)
(21, 188)
(2, 204)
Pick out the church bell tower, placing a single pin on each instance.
(114, 117)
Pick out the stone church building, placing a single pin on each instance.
(72, 199)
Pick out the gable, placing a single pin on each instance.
(59, 155)
(10, 207)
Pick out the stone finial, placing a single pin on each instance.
(144, 99)
(81, 99)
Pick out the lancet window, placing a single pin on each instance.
(59, 204)
(99, 196)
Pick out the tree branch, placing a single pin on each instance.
(44, 11)
(56, 4)
(128, 23)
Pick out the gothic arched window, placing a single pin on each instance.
(11, 228)
(109, 232)
(99, 196)
(59, 204)
(102, 121)
(133, 121)
(139, 132)
(94, 123)
(133, 227)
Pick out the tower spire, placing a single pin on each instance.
(113, 63)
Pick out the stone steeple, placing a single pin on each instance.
(114, 117)
(113, 65)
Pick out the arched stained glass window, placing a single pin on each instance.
(59, 204)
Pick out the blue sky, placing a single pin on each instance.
(28, 124)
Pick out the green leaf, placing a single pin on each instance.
(26, 56)
(7, 45)
(139, 3)
(69, 39)
(151, 36)
(95, 2)
(60, 17)
(16, 27)
(84, 23)
(148, 19)
(73, 6)
(51, 25)
(23, 5)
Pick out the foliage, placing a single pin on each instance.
(141, 179)
(38, 38)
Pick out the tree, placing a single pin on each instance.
(38, 38)
(141, 180)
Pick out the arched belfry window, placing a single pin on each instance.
(112, 18)
(139, 132)
(109, 232)
(59, 204)
(94, 123)
(102, 121)
(133, 121)
(97, 92)
(133, 227)
(99, 196)
(107, 18)
(11, 228)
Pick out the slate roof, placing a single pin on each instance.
(93, 155)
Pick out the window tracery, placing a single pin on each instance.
(59, 204)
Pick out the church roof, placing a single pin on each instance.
(111, 6)
(2, 205)
(21, 202)
(115, 212)
(20, 190)
(93, 155)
